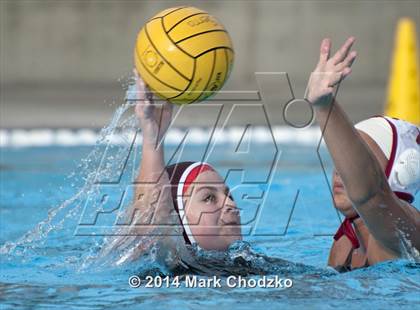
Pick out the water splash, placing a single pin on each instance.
(408, 251)
(65, 216)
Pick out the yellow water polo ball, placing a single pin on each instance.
(184, 55)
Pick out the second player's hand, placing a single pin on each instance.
(329, 72)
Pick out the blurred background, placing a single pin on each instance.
(62, 62)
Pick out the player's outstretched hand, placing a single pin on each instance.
(329, 72)
(154, 118)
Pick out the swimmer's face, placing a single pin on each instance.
(341, 200)
(211, 212)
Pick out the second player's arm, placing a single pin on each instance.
(366, 184)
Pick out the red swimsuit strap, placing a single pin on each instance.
(346, 229)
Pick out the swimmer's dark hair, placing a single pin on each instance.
(175, 172)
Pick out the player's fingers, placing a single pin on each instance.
(348, 62)
(346, 72)
(338, 77)
(341, 54)
(144, 91)
(324, 52)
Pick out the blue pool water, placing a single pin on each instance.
(44, 264)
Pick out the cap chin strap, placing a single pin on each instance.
(346, 229)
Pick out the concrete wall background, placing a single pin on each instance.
(59, 60)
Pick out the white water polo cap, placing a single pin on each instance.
(400, 142)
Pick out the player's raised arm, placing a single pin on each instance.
(151, 218)
(387, 219)
(154, 121)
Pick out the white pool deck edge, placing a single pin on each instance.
(309, 136)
